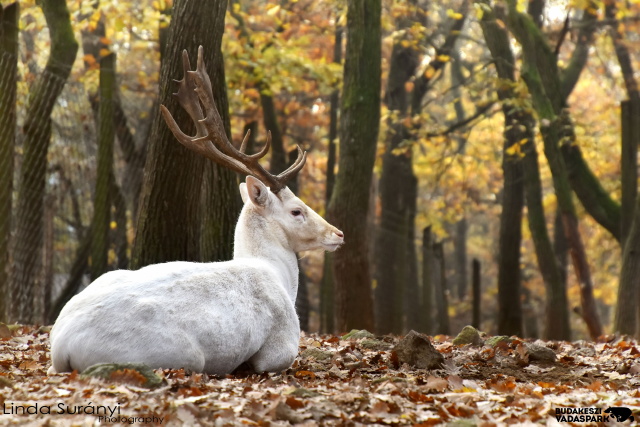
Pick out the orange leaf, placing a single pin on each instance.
(303, 374)
(294, 403)
(89, 59)
(129, 376)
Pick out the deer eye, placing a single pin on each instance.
(296, 212)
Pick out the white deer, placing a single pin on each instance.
(207, 317)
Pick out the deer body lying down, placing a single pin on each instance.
(208, 317)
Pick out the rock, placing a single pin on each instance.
(540, 353)
(494, 341)
(373, 344)
(468, 335)
(138, 373)
(585, 352)
(356, 334)
(416, 350)
(316, 353)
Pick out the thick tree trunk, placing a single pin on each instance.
(519, 127)
(397, 188)
(221, 200)
(9, 73)
(627, 320)
(509, 287)
(169, 221)
(349, 205)
(104, 171)
(37, 135)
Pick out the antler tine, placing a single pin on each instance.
(245, 140)
(294, 168)
(187, 98)
(195, 94)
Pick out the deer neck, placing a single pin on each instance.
(256, 238)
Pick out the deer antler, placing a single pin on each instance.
(211, 140)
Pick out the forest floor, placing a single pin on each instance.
(338, 381)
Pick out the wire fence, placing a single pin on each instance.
(49, 178)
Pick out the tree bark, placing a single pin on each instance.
(509, 287)
(359, 125)
(441, 293)
(627, 320)
(477, 294)
(519, 124)
(326, 287)
(104, 171)
(221, 200)
(541, 75)
(37, 135)
(397, 188)
(9, 16)
(427, 282)
(170, 214)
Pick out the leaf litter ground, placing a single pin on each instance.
(336, 382)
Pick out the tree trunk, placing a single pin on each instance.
(477, 294)
(326, 287)
(221, 200)
(518, 127)
(509, 288)
(427, 282)
(627, 319)
(441, 293)
(397, 188)
(9, 16)
(542, 78)
(169, 221)
(104, 171)
(37, 135)
(119, 234)
(359, 124)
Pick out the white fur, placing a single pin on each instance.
(207, 317)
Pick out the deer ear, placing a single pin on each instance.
(256, 191)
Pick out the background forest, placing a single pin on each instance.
(480, 157)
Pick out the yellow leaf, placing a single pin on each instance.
(443, 58)
(513, 150)
(104, 52)
(273, 10)
(113, 225)
(454, 15)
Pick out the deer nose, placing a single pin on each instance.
(339, 234)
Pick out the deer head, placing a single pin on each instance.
(266, 196)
